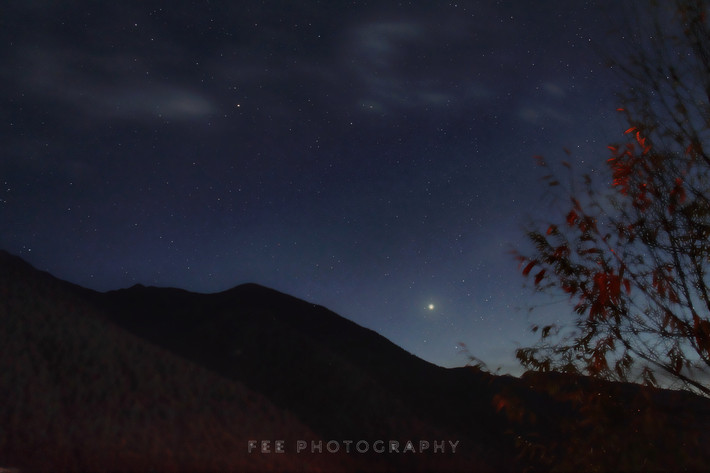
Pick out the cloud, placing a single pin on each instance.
(159, 101)
(378, 43)
(546, 105)
(409, 64)
(111, 87)
(542, 114)
(554, 90)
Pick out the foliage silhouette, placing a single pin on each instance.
(632, 256)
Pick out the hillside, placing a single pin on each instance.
(343, 380)
(164, 379)
(80, 394)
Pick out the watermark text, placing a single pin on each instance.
(352, 446)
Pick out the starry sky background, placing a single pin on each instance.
(371, 157)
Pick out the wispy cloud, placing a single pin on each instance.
(547, 105)
(398, 65)
(111, 87)
(378, 43)
(554, 90)
(541, 114)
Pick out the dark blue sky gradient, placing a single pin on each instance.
(372, 157)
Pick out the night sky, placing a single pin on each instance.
(372, 157)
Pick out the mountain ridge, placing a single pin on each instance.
(63, 325)
(165, 379)
(261, 320)
(81, 394)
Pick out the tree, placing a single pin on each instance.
(633, 254)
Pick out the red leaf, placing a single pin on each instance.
(572, 218)
(614, 288)
(527, 268)
(539, 276)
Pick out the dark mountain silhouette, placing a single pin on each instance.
(168, 380)
(80, 394)
(343, 380)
